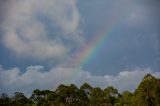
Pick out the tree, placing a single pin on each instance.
(67, 94)
(86, 88)
(51, 98)
(125, 99)
(81, 98)
(4, 100)
(96, 96)
(19, 99)
(40, 97)
(110, 95)
(147, 93)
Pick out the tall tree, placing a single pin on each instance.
(125, 99)
(110, 96)
(87, 89)
(19, 99)
(96, 96)
(148, 92)
(4, 100)
(40, 97)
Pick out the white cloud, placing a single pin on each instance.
(13, 80)
(36, 27)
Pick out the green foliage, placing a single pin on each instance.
(19, 99)
(125, 99)
(147, 94)
(4, 100)
(86, 86)
(95, 96)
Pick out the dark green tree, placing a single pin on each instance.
(19, 99)
(87, 89)
(110, 95)
(4, 100)
(81, 98)
(40, 97)
(67, 94)
(96, 96)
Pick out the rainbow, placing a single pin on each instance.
(89, 51)
(92, 48)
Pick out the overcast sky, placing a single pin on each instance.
(41, 40)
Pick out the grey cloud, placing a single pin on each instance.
(25, 33)
(148, 2)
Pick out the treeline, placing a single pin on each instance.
(147, 94)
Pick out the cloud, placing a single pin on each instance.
(13, 80)
(40, 29)
(140, 15)
(144, 11)
(136, 16)
(151, 3)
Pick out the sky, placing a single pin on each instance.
(102, 42)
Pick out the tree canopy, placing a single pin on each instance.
(146, 94)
